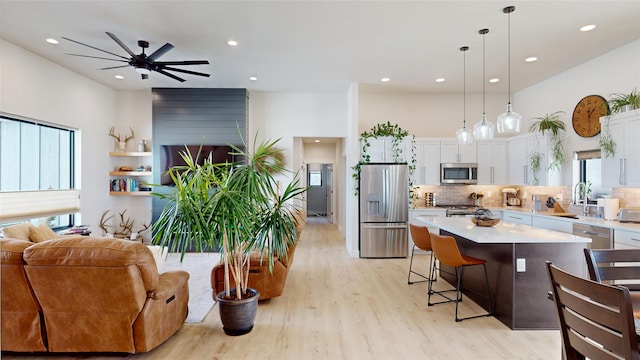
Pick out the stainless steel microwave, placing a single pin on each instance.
(458, 173)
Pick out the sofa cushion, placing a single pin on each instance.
(41, 233)
(19, 231)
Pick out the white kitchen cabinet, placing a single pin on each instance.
(427, 170)
(552, 224)
(381, 150)
(452, 152)
(625, 239)
(520, 149)
(414, 214)
(516, 217)
(621, 170)
(492, 162)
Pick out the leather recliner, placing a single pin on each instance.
(269, 284)
(22, 327)
(104, 295)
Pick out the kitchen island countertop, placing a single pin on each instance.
(501, 233)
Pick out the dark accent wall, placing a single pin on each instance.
(191, 116)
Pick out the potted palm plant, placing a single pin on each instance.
(237, 208)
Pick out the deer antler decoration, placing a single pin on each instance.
(122, 143)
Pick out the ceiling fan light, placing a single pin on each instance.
(143, 70)
(509, 122)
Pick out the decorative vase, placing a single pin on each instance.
(238, 316)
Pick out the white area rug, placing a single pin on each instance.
(199, 266)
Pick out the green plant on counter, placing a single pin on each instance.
(618, 102)
(552, 124)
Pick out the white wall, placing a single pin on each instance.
(617, 71)
(36, 88)
(426, 114)
(291, 116)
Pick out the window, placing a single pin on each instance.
(36, 167)
(315, 178)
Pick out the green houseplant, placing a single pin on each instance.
(552, 124)
(397, 135)
(236, 207)
(620, 102)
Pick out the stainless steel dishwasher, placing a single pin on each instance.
(601, 237)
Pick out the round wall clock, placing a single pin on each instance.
(587, 113)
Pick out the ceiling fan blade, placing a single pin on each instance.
(93, 47)
(115, 67)
(185, 71)
(97, 57)
(169, 75)
(161, 51)
(122, 45)
(185, 62)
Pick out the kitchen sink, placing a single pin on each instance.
(565, 215)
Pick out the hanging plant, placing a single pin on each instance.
(535, 160)
(397, 135)
(552, 124)
(607, 145)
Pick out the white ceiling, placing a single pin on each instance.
(317, 45)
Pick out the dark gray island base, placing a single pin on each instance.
(520, 298)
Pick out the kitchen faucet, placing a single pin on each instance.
(582, 185)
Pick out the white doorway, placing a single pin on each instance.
(321, 158)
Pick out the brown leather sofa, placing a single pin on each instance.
(269, 284)
(22, 325)
(93, 294)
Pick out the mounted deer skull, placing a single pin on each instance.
(121, 143)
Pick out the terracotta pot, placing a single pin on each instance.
(238, 316)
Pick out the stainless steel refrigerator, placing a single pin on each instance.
(384, 210)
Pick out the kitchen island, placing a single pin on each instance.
(515, 256)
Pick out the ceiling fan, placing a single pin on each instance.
(144, 64)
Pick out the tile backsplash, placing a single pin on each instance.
(492, 195)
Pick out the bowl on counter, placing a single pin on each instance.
(484, 217)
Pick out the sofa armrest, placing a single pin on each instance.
(169, 282)
(164, 311)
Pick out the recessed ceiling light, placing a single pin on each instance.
(119, 77)
(317, 140)
(439, 80)
(52, 41)
(253, 78)
(588, 27)
(494, 80)
(232, 43)
(531, 59)
(385, 79)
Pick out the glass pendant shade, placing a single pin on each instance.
(509, 122)
(483, 130)
(464, 136)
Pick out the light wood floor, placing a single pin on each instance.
(338, 307)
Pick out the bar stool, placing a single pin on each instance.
(446, 251)
(421, 240)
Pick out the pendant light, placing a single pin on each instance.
(509, 122)
(464, 135)
(483, 130)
